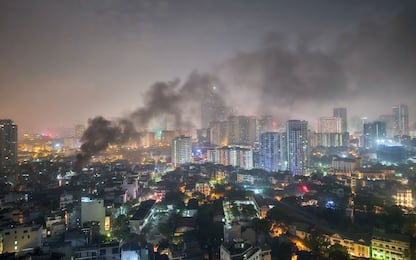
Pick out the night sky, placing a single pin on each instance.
(63, 62)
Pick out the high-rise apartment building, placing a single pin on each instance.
(238, 156)
(389, 120)
(330, 133)
(218, 133)
(79, 131)
(8, 143)
(330, 124)
(263, 124)
(297, 146)
(401, 120)
(213, 107)
(283, 152)
(181, 150)
(241, 130)
(270, 151)
(341, 112)
(373, 132)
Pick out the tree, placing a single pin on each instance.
(174, 198)
(248, 211)
(235, 210)
(338, 252)
(167, 228)
(317, 243)
(262, 225)
(198, 195)
(120, 227)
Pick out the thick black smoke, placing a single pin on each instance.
(180, 103)
(100, 134)
(376, 59)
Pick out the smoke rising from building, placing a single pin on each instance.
(100, 134)
(376, 60)
(179, 102)
(171, 100)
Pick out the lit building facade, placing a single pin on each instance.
(341, 112)
(79, 131)
(181, 150)
(374, 132)
(401, 120)
(93, 210)
(297, 146)
(17, 238)
(270, 151)
(218, 133)
(241, 130)
(404, 198)
(330, 125)
(386, 249)
(237, 156)
(8, 143)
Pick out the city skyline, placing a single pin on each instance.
(64, 63)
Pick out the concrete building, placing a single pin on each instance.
(345, 166)
(241, 130)
(374, 133)
(330, 124)
(218, 133)
(181, 150)
(404, 198)
(93, 210)
(389, 248)
(18, 238)
(401, 120)
(239, 249)
(8, 143)
(270, 150)
(238, 156)
(297, 146)
(141, 216)
(341, 112)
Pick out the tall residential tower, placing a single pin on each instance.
(8, 143)
(297, 146)
(401, 120)
(341, 112)
(181, 150)
(270, 151)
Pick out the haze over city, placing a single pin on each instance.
(208, 129)
(63, 62)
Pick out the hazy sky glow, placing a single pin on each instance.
(62, 62)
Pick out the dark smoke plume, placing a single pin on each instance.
(376, 59)
(100, 134)
(178, 102)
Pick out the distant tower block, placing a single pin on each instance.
(341, 112)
